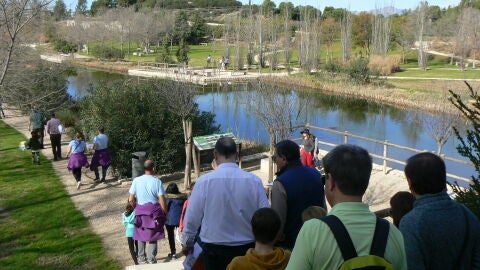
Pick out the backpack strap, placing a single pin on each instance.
(341, 235)
(380, 237)
(345, 243)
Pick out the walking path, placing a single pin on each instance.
(103, 203)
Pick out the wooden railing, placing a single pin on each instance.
(386, 147)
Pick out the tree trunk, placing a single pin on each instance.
(7, 61)
(187, 131)
(270, 160)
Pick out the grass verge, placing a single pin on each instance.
(40, 228)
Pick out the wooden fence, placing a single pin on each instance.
(387, 146)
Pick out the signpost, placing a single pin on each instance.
(207, 142)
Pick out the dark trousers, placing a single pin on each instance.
(56, 139)
(171, 238)
(40, 132)
(133, 247)
(104, 172)
(217, 257)
(77, 173)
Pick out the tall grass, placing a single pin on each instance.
(40, 228)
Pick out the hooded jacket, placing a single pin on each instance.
(275, 260)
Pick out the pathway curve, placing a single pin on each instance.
(101, 203)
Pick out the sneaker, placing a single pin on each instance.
(102, 180)
(151, 261)
(78, 185)
(174, 256)
(142, 260)
(96, 180)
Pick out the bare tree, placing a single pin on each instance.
(287, 37)
(380, 34)
(440, 126)
(180, 98)
(33, 81)
(346, 35)
(279, 111)
(421, 28)
(467, 35)
(15, 15)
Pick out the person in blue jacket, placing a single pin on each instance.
(175, 201)
(128, 221)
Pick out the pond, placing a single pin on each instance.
(358, 117)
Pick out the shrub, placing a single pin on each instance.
(104, 52)
(384, 65)
(333, 66)
(64, 46)
(358, 71)
(136, 118)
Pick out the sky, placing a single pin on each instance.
(353, 5)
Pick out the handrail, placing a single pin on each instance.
(386, 144)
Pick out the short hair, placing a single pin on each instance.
(52, 114)
(148, 165)
(427, 173)
(78, 135)
(101, 129)
(400, 204)
(312, 212)
(350, 165)
(172, 188)
(226, 147)
(288, 149)
(265, 225)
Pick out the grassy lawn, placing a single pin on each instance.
(40, 228)
(440, 73)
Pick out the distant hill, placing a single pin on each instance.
(387, 11)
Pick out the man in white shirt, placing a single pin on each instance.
(221, 207)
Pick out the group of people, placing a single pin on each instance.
(230, 217)
(77, 158)
(76, 148)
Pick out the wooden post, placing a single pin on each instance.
(195, 162)
(385, 148)
(345, 137)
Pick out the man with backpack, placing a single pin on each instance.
(344, 239)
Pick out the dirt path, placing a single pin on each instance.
(101, 203)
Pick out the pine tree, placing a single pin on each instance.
(470, 148)
(182, 52)
(59, 10)
(81, 7)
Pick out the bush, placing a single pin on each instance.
(67, 117)
(333, 66)
(63, 46)
(136, 118)
(104, 52)
(358, 71)
(384, 65)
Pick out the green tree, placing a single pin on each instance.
(181, 28)
(198, 30)
(182, 52)
(81, 7)
(362, 30)
(268, 7)
(99, 5)
(136, 118)
(331, 12)
(165, 55)
(59, 10)
(469, 147)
